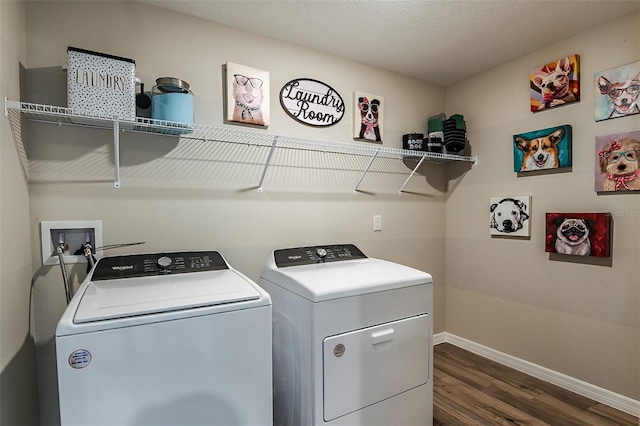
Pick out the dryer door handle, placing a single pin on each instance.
(382, 336)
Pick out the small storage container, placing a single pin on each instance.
(455, 134)
(413, 142)
(171, 100)
(435, 137)
(434, 144)
(99, 84)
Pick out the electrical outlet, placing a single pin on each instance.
(377, 223)
(73, 234)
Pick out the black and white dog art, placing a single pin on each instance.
(509, 216)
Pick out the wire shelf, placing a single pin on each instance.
(195, 132)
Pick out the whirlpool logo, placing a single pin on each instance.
(121, 268)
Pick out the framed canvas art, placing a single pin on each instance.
(542, 149)
(368, 117)
(617, 91)
(617, 166)
(510, 216)
(554, 84)
(578, 234)
(247, 95)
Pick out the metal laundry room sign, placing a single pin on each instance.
(312, 102)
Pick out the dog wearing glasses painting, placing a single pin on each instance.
(623, 95)
(368, 117)
(370, 126)
(619, 163)
(247, 95)
(617, 92)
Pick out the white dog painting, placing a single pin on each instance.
(509, 216)
(618, 92)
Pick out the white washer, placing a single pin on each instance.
(166, 339)
(352, 338)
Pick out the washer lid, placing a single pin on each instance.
(129, 297)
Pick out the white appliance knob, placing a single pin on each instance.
(322, 253)
(164, 262)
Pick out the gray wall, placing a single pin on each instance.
(577, 316)
(18, 394)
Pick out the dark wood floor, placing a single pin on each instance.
(471, 390)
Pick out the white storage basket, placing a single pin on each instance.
(102, 85)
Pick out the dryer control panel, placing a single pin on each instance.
(316, 254)
(149, 264)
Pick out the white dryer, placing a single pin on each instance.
(166, 339)
(352, 338)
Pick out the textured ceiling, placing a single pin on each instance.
(439, 41)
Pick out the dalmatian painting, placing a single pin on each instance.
(509, 216)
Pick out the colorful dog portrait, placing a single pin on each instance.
(556, 83)
(542, 149)
(578, 234)
(247, 95)
(368, 117)
(509, 216)
(617, 91)
(617, 166)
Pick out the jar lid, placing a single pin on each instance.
(172, 84)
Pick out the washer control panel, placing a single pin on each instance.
(316, 254)
(139, 265)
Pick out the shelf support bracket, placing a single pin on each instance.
(411, 175)
(355, 190)
(266, 165)
(116, 152)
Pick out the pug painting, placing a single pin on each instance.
(579, 234)
(572, 236)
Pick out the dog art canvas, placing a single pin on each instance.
(542, 149)
(617, 91)
(556, 83)
(368, 117)
(578, 234)
(247, 95)
(617, 167)
(509, 216)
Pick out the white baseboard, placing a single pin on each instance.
(604, 396)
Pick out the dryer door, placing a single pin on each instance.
(366, 366)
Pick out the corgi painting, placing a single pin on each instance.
(617, 92)
(542, 149)
(554, 84)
